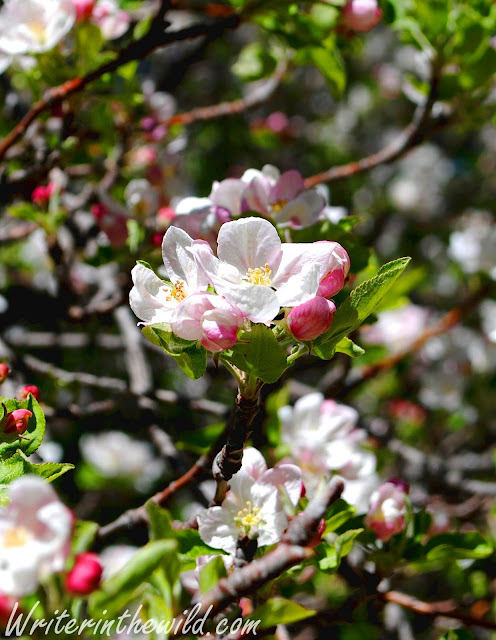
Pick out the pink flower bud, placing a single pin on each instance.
(311, 319)
(7, 606)
(84, 9)
(113, 223)
(16, 421)
(42, 194)
(4, 372)
(85, 576)
(361, 15)
(386, 516)
(401, 484)
(24, 392)
(217, 337)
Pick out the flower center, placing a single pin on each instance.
(38, 32)
(278, 205)
(177, 292)
(248, 517)
(260, 275)
(15, 537)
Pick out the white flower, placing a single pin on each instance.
(34, 26)
(473, 246)
(397, 329)
(35, 529)
(253, 506)
(259, 274)
(141, 199)
(154, 300)
(114, 454)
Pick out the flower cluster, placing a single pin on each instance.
(323, 440)
(254, 276)
(282, 198)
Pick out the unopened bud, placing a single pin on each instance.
(84, 9)
(24, 392)
(361, 15)
(386, 516)
(7, 606)
(85, 576)
(309, 320)
(42, 194)
(16, 421)
(4, 372)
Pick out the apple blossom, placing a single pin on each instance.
(386, 516)
(154, 300)
(84, 9)
(112, 222)
(259, 274)
(253, 506)
(24, 392)
(16, 421)
(311, 319)
(42, 194)
(361, 15)
(7, 606)
(115, 455)
(35, 530)
(398, 328)
(199, 217)
(34, 26)
(85, 575)
(140, 197)
(208, 318)
(112, 21)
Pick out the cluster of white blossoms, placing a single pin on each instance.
(323, 439)
(254, 276)
(397, 329)
(35, 532)
(29, 27)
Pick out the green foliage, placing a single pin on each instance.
(189, 356)
(280, 611)
(333, 553)
(211, 573)
(337, 515)
(33, 436)
(258, 353)
(358, 306)
(448, 546)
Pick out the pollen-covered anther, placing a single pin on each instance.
(278, 206)
(177, 292)
(260, 275)
(248, 517)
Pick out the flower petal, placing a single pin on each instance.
(180, 262)
(148, 297)
(249, 243)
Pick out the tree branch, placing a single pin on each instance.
(414, 134)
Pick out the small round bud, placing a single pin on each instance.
(4, 372)
(24, 392)
(309, 320)
(85, 576)
(361, 15)
(16, 421)
(84, 9)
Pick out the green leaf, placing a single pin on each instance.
(457, 546)
(18, 465)
(254, 62)
(341, 547)
(348, 347)
(339, 513)
(358, 306)
(160, 522)
(83, 536)
(330, 64)
(189, 356)
(211, 573)
(118, 590)
(257, 352)
(33, 436)
(280, 611)
(191, 545)
(458, 634)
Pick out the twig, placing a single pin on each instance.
(412, 136)
(258, 95)
(140, 375)
(446, 608)
(155, 37)
(228, 461)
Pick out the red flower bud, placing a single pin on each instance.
(85, 576)
(16, 421)
(84, 9)
(24, 392)
(361, 15)
(7, 606)
(42, 194)
(4, 372)
(311, 319)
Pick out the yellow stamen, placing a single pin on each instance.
(278, 206)
(248, 517)
(177, 292)
(15, 537)
(260, 275)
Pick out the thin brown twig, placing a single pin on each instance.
(446, 608)
(413, 135)
(155, 37)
